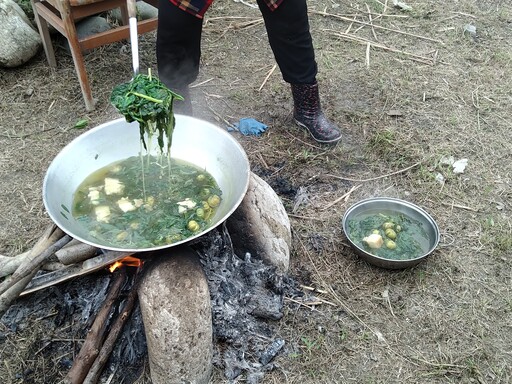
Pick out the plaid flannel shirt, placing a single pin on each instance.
(199, 7)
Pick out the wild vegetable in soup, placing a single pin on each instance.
(167, 202)
(148, 101)
(389, 235)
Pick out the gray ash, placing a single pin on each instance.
(247, 300)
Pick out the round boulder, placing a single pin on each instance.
(20, 40)
(260, 226)
(176, 311)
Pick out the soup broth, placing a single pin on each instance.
(127, 207)
(403, 238)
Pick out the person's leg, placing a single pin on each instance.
(291, 42)
(178, 51)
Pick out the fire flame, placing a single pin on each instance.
(128, 261)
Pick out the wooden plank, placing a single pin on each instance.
(70, 272)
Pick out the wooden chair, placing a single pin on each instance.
(63, 15)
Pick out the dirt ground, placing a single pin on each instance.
(409, 88)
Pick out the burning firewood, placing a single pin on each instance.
(108, 346)
(68, 272)
(92, 344)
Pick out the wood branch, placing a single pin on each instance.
(378, 27)
(248, 24)
(33, 264)
(361, 40)
(108, 346)
(9, 264)
(316, 218)
(8, 267)
(72, 242)
(370, 19)
(344, 196)
(96, 335)
(71, 271)
(312, 289)
(52, 266)
(452, 205)
(375, 178)
(307, 305)
(11, 288)
(202, 83)
(267, 77)
(76, 253)
(49, 236)
(52, 278)
(218, 115)
(367, 59)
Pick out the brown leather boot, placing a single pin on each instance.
(308, 114)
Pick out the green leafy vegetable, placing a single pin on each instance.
(80, 124)
(147, 100)
(117, 208)
(409, 242)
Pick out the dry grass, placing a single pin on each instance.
(446, 321)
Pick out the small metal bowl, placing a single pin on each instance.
(389, 204)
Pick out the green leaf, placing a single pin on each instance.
(81, 124)
(147, 100)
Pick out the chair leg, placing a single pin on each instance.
(90, 102)
(42, 26)
(124, 14)
(78, 58)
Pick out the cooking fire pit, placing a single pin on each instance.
(240, 293)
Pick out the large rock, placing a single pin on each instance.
(144, 11)
(87, 27)
(19, 39)
(92, 25)
(176, 311)
(260, 225)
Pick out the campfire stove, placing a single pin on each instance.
(243, 294)
(227, 299)
(228, 303)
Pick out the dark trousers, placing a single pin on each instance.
(178, 45)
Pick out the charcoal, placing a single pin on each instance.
(272, 350)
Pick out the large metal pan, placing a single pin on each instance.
(196, 141)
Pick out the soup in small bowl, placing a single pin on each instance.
(390, 233)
